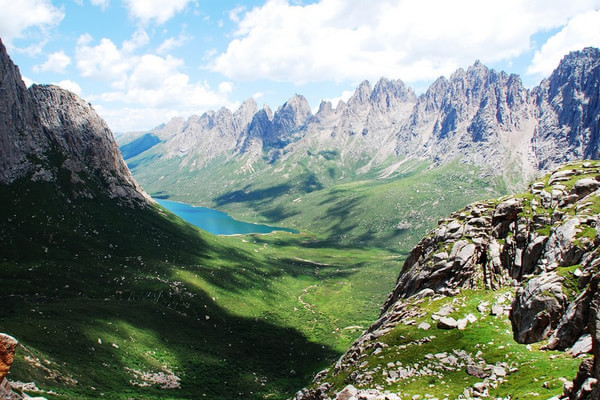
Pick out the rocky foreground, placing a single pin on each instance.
(501, 300)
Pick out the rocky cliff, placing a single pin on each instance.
(525, 265)
(48, 134)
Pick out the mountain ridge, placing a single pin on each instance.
(480, 116)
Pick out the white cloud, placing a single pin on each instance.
(158, 10)
(172, 43)
(350, 40)
(103, 4)
(225, 87)
(17, 17)
(28, 82)
(103, 62)
(138, 40)
(147, 89)
(69, 85)
(56, 62)
(346, 94)
(581, 31)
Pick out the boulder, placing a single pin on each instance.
(585, 186)
(477, 371)
(582, 346)
(538, 308)
(505, 213)
(447, 323)
(8, 345)
(348, 393)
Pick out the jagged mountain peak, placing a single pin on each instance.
(293, 114)
(361, 95)
(325, 109)
(247, 109)
(297, 104)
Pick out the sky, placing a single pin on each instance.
(142, 62)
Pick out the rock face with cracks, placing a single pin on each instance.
(48, 134)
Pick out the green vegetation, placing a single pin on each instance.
(531, 373)
(250, 316)
(340, 203)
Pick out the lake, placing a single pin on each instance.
(216, 222)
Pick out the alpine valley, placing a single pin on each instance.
(401, 201)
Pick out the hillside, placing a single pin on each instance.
(480, 127)
(500, 300)
(111, 296)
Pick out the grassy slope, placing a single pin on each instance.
(535, 373)
(323, 195)
(226, 315)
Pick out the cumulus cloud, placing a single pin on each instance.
(345, 40)
(56, 62)
(159, 11)
(581, 31)
(104, 62)
(15, 23)
(346, 94)
(28, 82)
(225, 87)
(143, 81)
(69, 85)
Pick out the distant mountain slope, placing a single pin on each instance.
(477, 291)
(481, 127)
(139, 145)
(481, 116)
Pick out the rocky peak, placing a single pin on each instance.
(325, 110)
(47, 132)
(292, 114)
(361, 95)
(246, 111)
(386, 92)
(568, 108)
(539, 249)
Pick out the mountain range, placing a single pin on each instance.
(480, 116)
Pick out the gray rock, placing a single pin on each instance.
(582, 346)
(585, 186)
(447, 323)
(477, 371)
(424, 326)
(537, 308)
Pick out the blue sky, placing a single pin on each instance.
(142, 62)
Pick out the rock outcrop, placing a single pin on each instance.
(542, 245)
(49, 134)
(8, 345)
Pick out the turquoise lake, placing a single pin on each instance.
(216, 222)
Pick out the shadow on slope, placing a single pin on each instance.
(85, 270)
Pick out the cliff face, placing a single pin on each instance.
(569, 110)
(49, 134)
(540, 249)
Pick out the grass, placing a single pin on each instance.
(537, 375)
(252, 316)
(337, 201)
